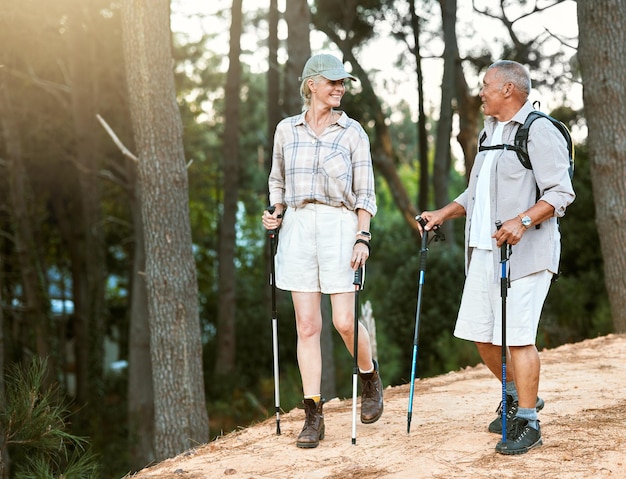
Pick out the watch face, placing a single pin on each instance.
(526, 221)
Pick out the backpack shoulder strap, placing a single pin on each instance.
(521, 136)
(503, 146)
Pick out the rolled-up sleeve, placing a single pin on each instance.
(363, 176)
(276, 181)
(548, 148)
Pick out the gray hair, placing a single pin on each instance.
(305, 91)
(513, 72)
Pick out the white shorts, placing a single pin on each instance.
(480, 314)
(314, 251)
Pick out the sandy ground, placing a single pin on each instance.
(583, 426)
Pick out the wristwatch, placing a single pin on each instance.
(367, 234)
(526, 221)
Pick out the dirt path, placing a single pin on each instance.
(583, 426)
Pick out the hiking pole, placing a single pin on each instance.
(504, 253)
(439, 236)
(423, 255)
(359, 277)
(273, 234)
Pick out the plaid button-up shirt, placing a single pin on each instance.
(334, 168)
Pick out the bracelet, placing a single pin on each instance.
(366, 243)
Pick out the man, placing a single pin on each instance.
(502, 189)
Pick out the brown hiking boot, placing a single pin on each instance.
(371, 396)
(313, 430)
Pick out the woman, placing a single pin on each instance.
(322, 171)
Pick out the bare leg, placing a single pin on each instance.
(343, 319)
(371, 383)
(527, 369)
(492, 357)
(308, 311)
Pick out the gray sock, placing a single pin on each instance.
(511, 390)
(530, 414)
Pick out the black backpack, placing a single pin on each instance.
(521, 140)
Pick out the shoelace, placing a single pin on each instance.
(511, 409)
(518, 430)
(370, 387)
(310, 417)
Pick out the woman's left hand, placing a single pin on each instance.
(360, 253)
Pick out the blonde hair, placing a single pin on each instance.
(305, 91)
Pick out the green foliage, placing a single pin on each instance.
(361, 18)
(441, 291)
(38, 432)
(80, 465)
(577, 305)
(35, 426)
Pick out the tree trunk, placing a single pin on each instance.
(35, 304)
(601, 52)
(422, 135)
(88, 261)
(441, 171)
(468, 106)
(298, 17)
(226, 331)
(273, 82)
(181, 420)
(140, 388)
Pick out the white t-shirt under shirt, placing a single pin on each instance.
(482, 227)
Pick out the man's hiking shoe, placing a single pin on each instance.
(371, 396)
(520, 438)
(313, 430)
(511, 409)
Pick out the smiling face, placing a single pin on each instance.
(492, 93)
(328, 92)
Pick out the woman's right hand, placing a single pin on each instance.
(272, 221)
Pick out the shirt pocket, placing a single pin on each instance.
(336, 165)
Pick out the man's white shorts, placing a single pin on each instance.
(480, 314)
(315, 247)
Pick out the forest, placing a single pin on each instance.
(135, 146)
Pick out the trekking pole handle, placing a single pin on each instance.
(504, 257)
(503, 248)
(271, 209)
(439, 236)
(358, 277)
(424, 250)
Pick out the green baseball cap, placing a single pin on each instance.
(329, 66)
